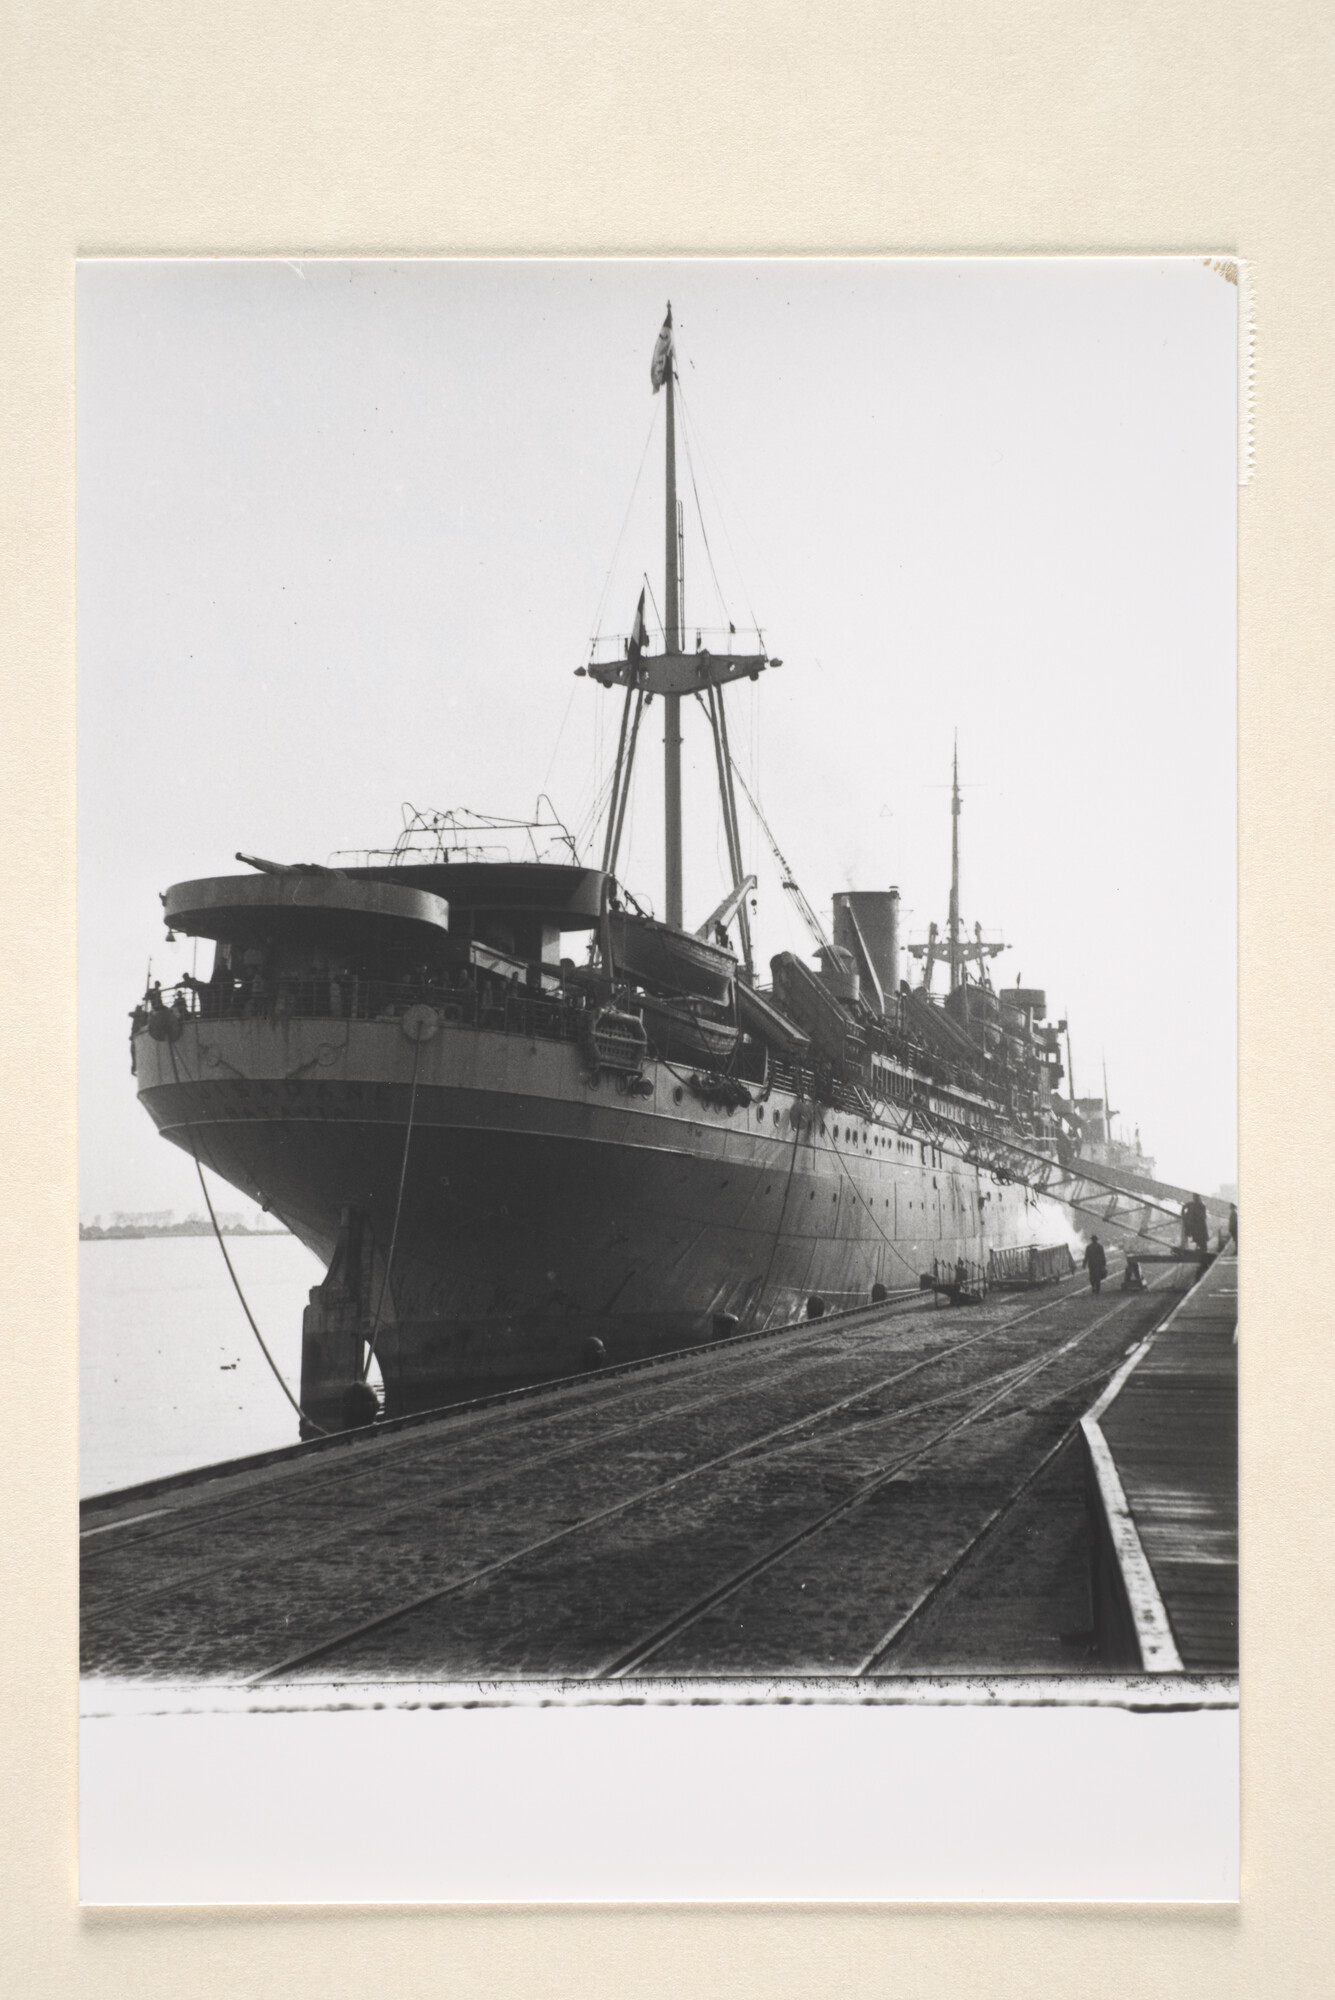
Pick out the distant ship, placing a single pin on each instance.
(531, 1128)
(1105, 1204)
(1113, 1190)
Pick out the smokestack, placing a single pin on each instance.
(866, 924)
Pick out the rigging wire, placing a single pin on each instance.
(570, 700)
(700, 516)
(689, 420)
(611, 568)
(790, 883)
(654, 601)
(595, 811)
(587, 826)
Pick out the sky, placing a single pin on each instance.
(346, 530)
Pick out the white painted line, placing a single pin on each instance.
(1154, 1634)
(1133, 1360)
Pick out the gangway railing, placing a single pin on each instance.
(1025, 1264)
(958, 1279)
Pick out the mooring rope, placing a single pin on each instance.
(889, 1241)
(231, 1272)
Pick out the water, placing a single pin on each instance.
(170, 1374)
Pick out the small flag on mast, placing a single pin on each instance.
(639, 631)
(658, 367)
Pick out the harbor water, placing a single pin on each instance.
(170, 1374)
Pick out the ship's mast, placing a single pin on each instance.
(672, 642)
(674, 673)
(954, 950)
(956, 966)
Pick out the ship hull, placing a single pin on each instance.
(548, 1218)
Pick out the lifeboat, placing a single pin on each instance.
(663, 956)
(688, 1031)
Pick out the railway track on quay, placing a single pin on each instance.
(800, 1504)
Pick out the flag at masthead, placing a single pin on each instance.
(658, 367)
(639, 632)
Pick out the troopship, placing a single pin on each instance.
(530, 1128)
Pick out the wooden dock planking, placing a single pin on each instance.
(1172, 1431)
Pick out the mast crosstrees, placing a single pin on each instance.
(673, 673)
(957, 952)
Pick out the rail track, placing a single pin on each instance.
(278, 1458)
(346, 1479)
(179, 1489)
(498, 1509)
(651, 1644)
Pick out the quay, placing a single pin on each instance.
(897, 1490)
(1161, 1448)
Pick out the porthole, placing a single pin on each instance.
(678, 1094)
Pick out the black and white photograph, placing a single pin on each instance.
(657, 981)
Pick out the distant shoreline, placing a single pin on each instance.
(90, 1232)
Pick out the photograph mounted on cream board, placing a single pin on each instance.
(657, 841)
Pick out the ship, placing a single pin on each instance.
(1104, 1197)
(531, 1128)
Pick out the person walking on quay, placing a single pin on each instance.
(1197, 1223)
(1233, 1224)
(1096, 1263)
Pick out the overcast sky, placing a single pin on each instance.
(345, 529)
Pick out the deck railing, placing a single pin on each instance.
(549, 1017)
(560, 1017)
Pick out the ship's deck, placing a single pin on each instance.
(890, 1491)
